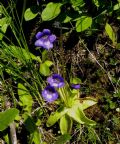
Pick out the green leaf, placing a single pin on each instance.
(110, 33)
(48, 63)
(1, 9)
(76, 3)
(7, 117)
(65, 124)
(67, 19)
(25, 98)
(112, 105)
(76, 112)
(96, 2)
(51, 11)
(116, 7)
(31, 13)
(54, 117)
(75, 80)
(35, 136)
(44, 55)
(63, 139)
(44, 69)
(118, 17)
(88, 102)
(83, 23)
(4, 23)
(3, 30)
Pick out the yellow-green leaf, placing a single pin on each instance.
(76, 112)
(25, 98)
(30, 13)
(7, 117)
(88, 102)
(110, 33)
(51, 11)
(116, 7)
(65, 124)
(83, 23)
(44, 69)
(54, 117)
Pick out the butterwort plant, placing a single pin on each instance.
(71, 108)
(68, 95)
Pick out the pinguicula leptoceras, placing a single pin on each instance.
(56, 81)
(49, 93)
(45, 39)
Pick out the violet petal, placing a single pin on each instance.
(39, 43)
(39, 35)
(75, 86)
(56, 81)
(50, 94)
(52, 38)
(46, 31)
(47, 44)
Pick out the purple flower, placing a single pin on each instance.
(56, 81)
(45, 39)
(49, 94)
(75, 86)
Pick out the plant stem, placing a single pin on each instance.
(13, 133)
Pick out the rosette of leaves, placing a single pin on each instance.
(71, 110)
